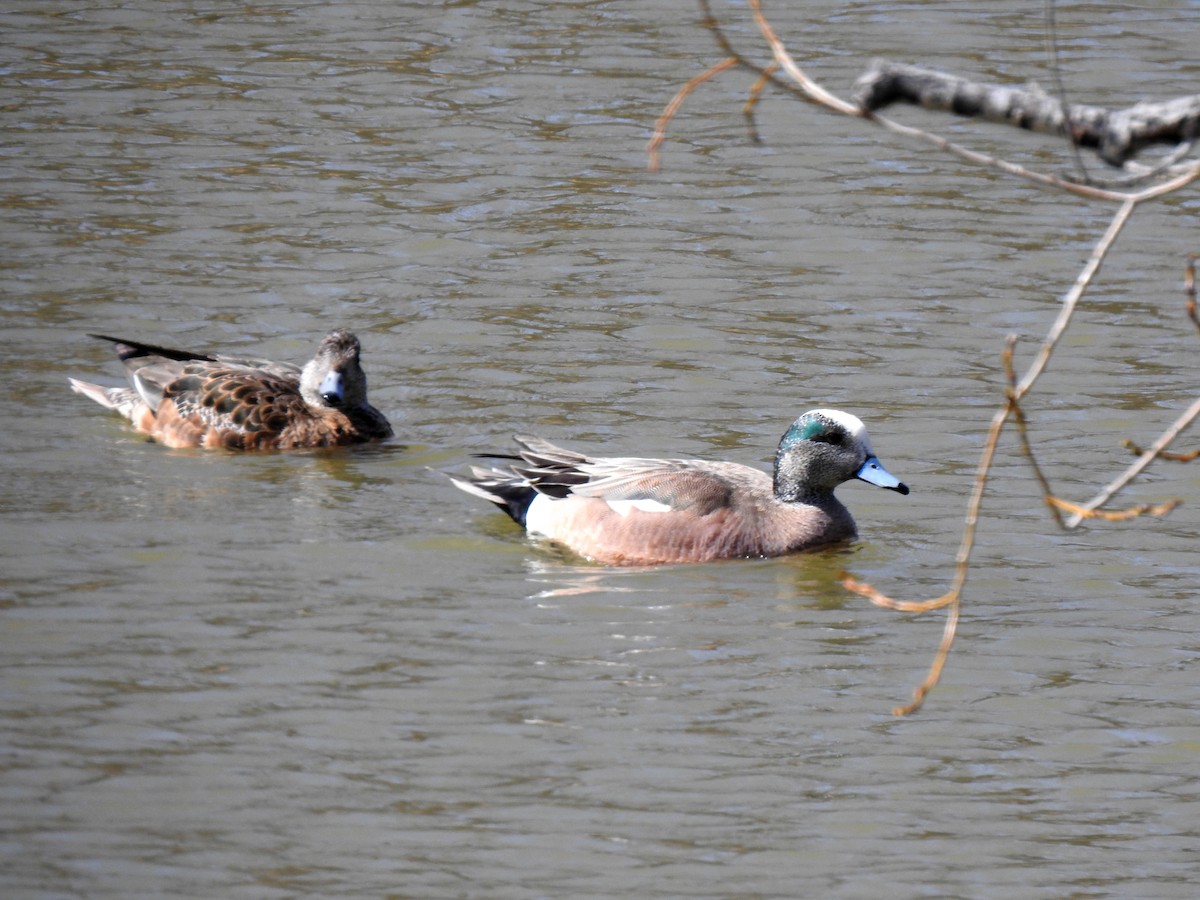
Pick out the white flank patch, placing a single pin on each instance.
(537, 517)
(540, 517)
(624, 507)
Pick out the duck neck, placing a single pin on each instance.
(797, 481)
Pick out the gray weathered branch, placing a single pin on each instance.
(1116, 135)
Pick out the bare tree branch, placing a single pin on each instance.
(1117, 135)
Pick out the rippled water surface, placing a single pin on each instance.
(331, 674)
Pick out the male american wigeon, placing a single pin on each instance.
(626, 511)
(185, 399)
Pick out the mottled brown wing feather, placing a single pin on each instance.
(237, 400)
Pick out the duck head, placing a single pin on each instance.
(822, 449)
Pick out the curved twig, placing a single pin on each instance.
(1117, 484)
(660, 126)
(1187, 457)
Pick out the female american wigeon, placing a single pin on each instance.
(185, 399)
(625, 511)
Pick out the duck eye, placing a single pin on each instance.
(829, 437)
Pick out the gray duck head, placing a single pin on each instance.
(823, 448)
(334, 377)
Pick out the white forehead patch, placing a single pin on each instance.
(852, 423)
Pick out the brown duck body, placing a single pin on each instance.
(184, 399)
(716, 511)
(631, 511)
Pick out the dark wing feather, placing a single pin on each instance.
(133, 350)
(136, 354)
(151, 368)
(677, 483)
(551, 470)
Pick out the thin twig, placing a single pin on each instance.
(752, 101)
(953, 597)
(1023, 430)
(1079, 190)
(1015, 392)
(1136, 450)
(1117, 484)
(949, 630)
(1055, 66)
(784, 60)
(1117, 515)
(1144, 174)
(1189, 290)
(1073, 296)
(1056, 504)
(660, 127)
